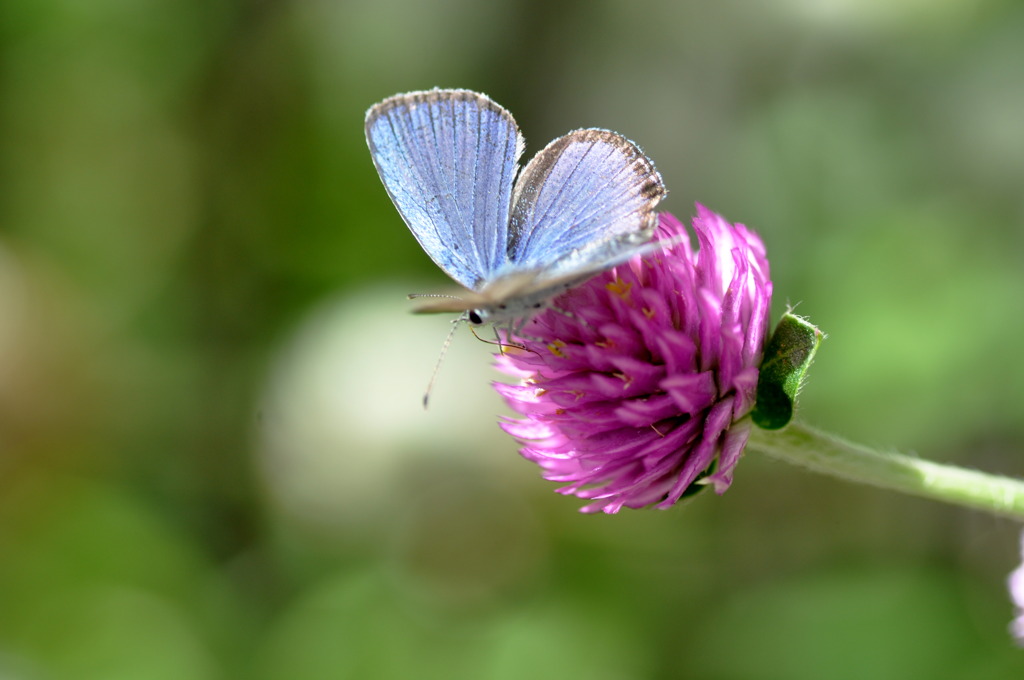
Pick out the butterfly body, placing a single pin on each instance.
(513, 240)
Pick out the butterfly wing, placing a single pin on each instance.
(583, 204)
(448, 159)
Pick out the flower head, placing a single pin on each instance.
(632, 383)
(1016, 584)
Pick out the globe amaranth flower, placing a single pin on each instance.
(634, 384)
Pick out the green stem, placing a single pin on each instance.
(828, 454)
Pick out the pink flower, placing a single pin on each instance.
(1016, 584)
(635, 383)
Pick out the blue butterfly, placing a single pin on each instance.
(449, 159)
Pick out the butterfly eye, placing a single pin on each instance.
(474, 318)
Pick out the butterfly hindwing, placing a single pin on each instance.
(448, 159)
(584, 203)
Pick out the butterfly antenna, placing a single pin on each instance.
(444, 351)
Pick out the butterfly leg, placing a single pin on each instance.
(574, 317)
(514, 332)
(498, 340)
(513, 329)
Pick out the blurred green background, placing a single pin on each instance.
(213, 460)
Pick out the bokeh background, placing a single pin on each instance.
(213, 460)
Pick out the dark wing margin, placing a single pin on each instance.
(448, 159)
(586, 200)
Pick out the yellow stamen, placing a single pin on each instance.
(556, 348)
(619, 287)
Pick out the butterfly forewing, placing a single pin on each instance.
(584, 203)
(448, 159)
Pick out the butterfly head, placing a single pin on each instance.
(507, 300)
(498, 313)
(515, 311)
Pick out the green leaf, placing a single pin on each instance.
(787, 357)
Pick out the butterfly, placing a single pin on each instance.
(449, 160)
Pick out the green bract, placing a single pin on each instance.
(787, 357)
